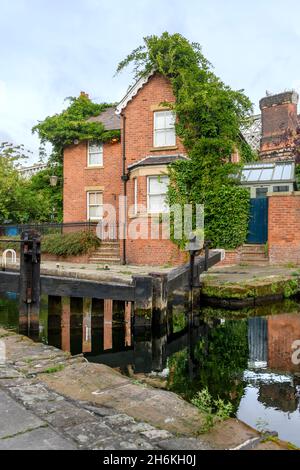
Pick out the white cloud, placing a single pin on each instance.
(50, 50)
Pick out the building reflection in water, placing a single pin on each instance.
(247, 361)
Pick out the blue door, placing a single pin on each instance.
(258, 223)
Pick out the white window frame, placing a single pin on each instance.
(89, 153)
(135, 195)
(157, 177)
(93, 205)
(163, 130)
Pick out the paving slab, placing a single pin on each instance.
(14, 418)
(30, 394)
(87, 434)
(126, 443)
(183, 443)
(38, 439)
(77, 402)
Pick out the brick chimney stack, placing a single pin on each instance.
(279, 123)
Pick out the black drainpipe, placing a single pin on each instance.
(125, 178)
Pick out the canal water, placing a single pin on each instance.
(250, 357)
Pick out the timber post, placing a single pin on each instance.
(143, 301)
(30, 283)
(160, 298)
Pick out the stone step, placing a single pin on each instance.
(254, 258)
(106, 253)
(109, 243)
(104, 260)
(107, 249)
(253, 262)
(253, 249)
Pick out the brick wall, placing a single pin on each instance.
(232, 257)
(78, 178)
(139, 120)
(139, 144)
(284, 228)
(139, 115)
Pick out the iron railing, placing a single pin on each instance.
(104, 230)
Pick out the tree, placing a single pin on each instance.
(209, 118)
(10, 181)
(72, 124)
(14, 153)
(61, 130)
(24, 201)
(48, 198)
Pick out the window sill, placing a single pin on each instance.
(159, 149)
(93, 167)
(146, 215)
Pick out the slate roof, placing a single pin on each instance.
(109, 119)
(156, 160)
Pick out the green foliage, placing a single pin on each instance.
(179, 321)
(222, 355)
(70, 244)
(54, 369)
(218, 358)
(24, 201)
(291, 288)
(209, 118)
(214, 411)
(14, 153)
(72, 124)
(11, 186)
(46, 199)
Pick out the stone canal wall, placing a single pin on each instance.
(68, 403)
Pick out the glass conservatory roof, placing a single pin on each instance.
(268, 172)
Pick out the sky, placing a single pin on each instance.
(52, 49)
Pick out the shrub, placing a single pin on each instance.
(70, 244)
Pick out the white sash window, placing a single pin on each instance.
(94, 205)
(164, 129)
(95, 154)
(157, 192)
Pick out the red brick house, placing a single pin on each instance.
(136, 167)
(96, 175)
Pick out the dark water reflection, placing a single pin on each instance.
(243, 357)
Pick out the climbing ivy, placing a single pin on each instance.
(72, 124)
(209, 118)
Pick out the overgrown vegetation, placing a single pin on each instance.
(70, 244)
(72, 125)
(209, 118)
(214, 411)
(62, 129)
